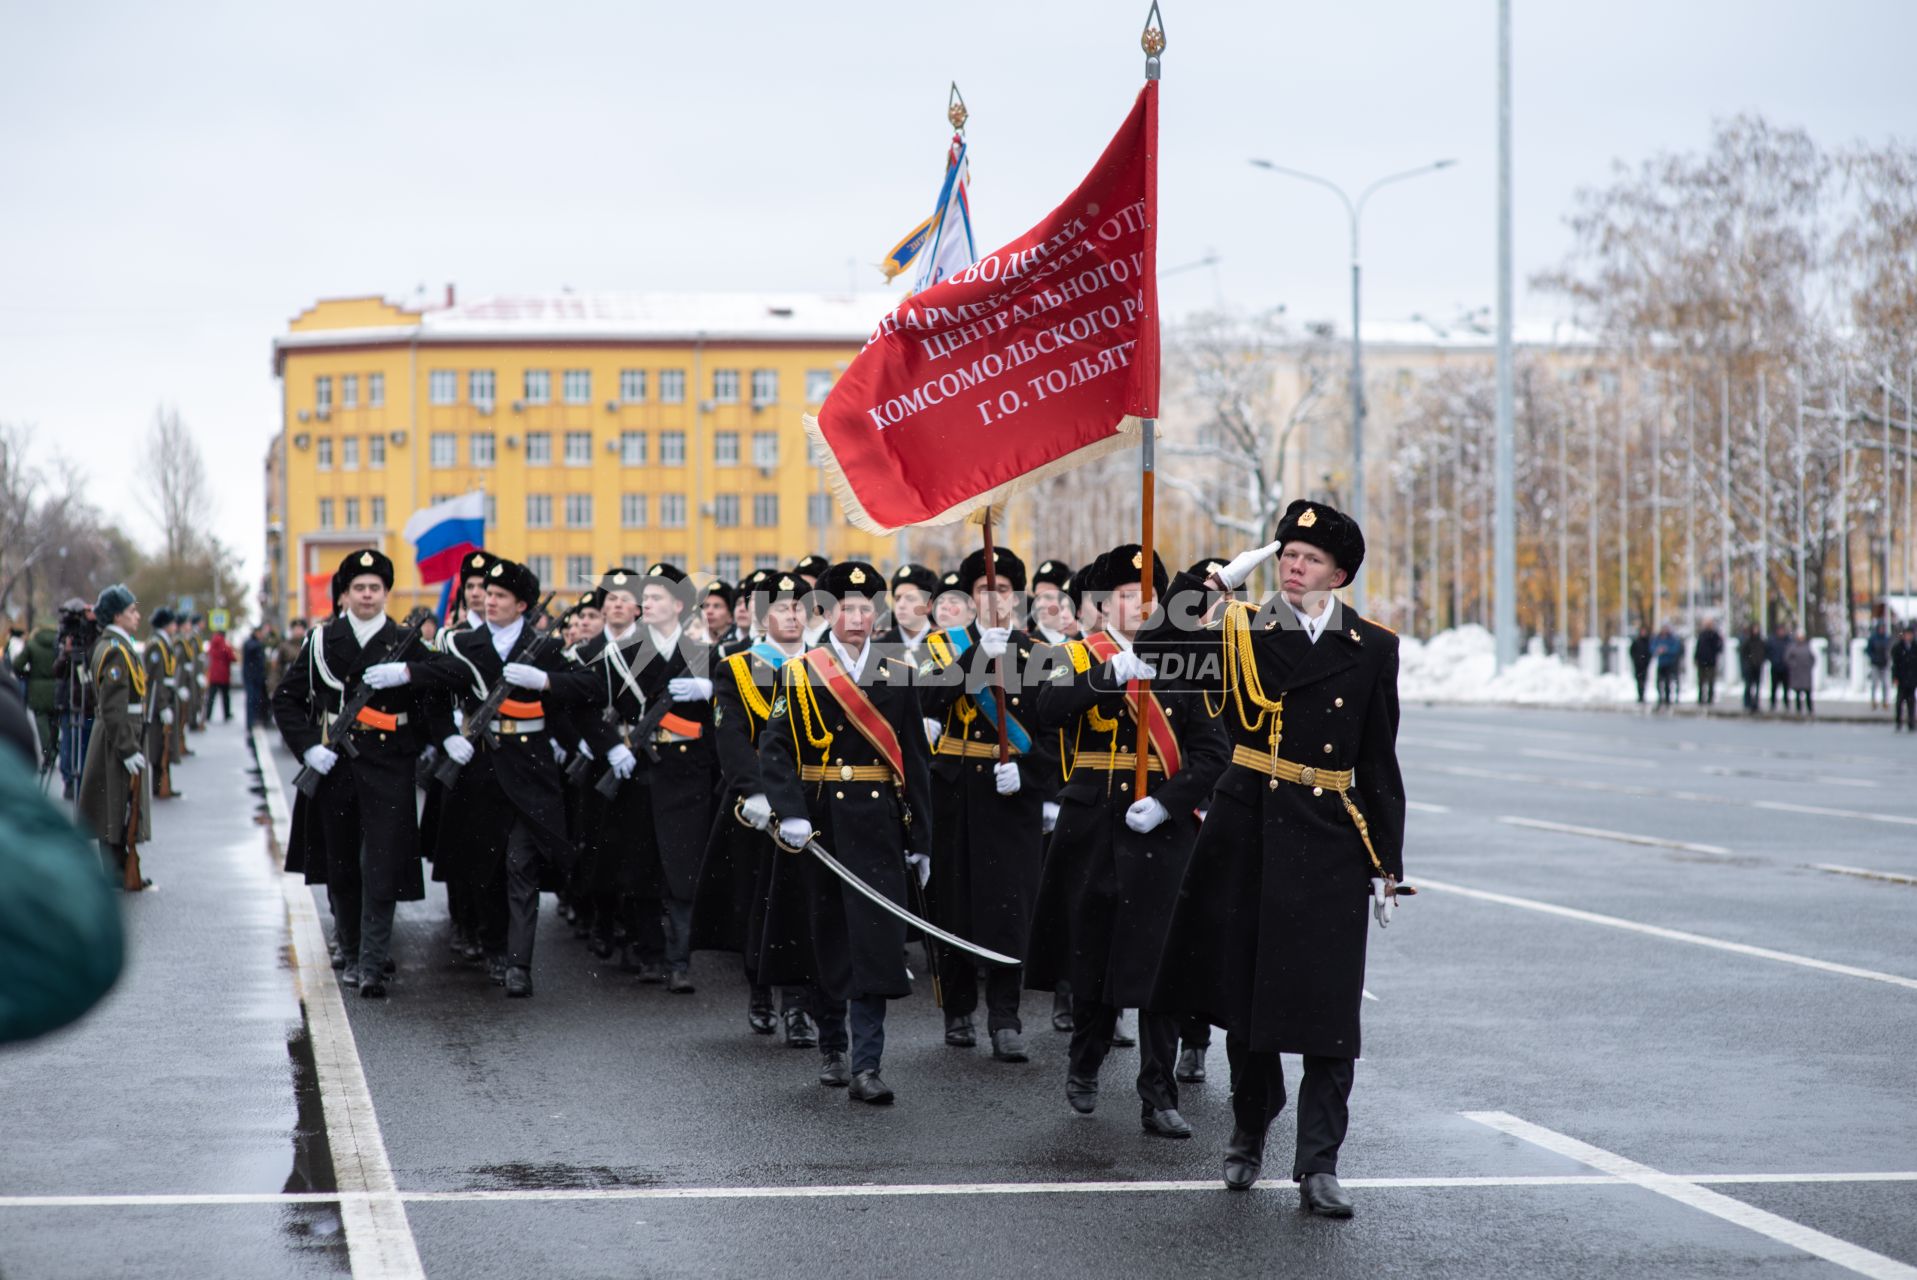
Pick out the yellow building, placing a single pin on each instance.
(603, 429)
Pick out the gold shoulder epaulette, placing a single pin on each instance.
(1081, 654)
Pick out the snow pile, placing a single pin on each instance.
(1461, 666)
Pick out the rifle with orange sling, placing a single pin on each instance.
(339, 734)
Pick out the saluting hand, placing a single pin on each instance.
(1242, 566)
(523, 675)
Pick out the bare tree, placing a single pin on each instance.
(173, 488)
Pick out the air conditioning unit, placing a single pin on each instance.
(324, 414)
(612, 406)
(707, 406)
(612, 446)
(302, 440)
(398, 438)
(485, 409)
(519, 406)
(304, 415)
(512, 442)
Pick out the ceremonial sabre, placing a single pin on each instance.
(844, 873)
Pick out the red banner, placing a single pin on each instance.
(1034, 359)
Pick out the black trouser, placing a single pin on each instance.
(362, 924)
(1640, 673)
(225, 695)
(958, 976)
(1804, 702)
(1780, 683)
(1753, 687)
(1666, 686)
(867, 1039)
(1907, 705)
(1194, 1033)
(1258, 1095)
(1706, 682)
(1092, 1025)
(508, 902)
(790, 998)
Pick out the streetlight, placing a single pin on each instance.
(1354, 210)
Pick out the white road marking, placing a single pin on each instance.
(1586, 757)
(1442, 744)
(1818, 780)
(1601, 833)
(1655, 793)
(1673, 935)
(862, 1190)
(1421, 806)
(1824, 811)
(379, 1240)
(1842, 1252)
(1865, 873)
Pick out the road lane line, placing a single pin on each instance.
(1601, 833)
(1655, 793)
(1864, 873)
(379, 1240)
(1586, 757)
(1422, 806)
(1672, 935)
(1843, 1253)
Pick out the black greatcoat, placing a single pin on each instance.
(650, 837)
(989, 848)
(835, 937)
(1105, 901)
(367, 798)
(1269, 934)
(728, 910)
(434, 819)
(519, 777)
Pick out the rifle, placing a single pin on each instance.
(643, 733)
(478, 722)
(339, 737)
(132, 881)
(162, 767)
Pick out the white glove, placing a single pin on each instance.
(1146, 814)
(622, 760)
(166, 716)
(1006, 777)
(458, 749)
(1384, 901)
(1244, 565)
(558, 752)
(794, 832)
(1048, 817)
(994, 640)
(524, 676)
(320, 759)
(689, 689)
(134, 763)
(430, 754)
(386, 675)
(1127, 666)
(757, 810)
(921, 864)
(585, 750)
(932, 731)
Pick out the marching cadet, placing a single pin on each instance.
(1305, 832)
(513, 819)
(160, 666)
(952, 607)
(743, 620)
(715, 609)
(439, 828)
(356, 832)
(1115, 863)
(728, 911)
(649, 681)
(585, 622)
(913, 586)
(1052, 618)
(843, 757)
(809, 569)
(989, 842)
(116, 768)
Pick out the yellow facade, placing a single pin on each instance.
(599, 434)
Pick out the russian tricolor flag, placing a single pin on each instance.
(443, 533)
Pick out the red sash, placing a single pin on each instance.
(865, 717)
(1164, 741)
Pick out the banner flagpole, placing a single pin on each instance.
(998, 664)
(1152, 41)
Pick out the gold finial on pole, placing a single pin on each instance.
(1152, 40)
(955, 109)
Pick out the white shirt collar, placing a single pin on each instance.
(1123, 643)
(854, 667)
(1051, 636)
(120, 633)
(475, 619)
(503, 637)
(618, 638)
(666, 642)
(1315, 627)
(364, 631)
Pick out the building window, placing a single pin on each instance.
(541, 567)
(443, 386)
(725, 386)
(632, 448)
(727, 567)
(818, 383)
(765, 386)
(349, 391)
(766, 560)
(379, 513)
(765, 510)
(352, 513)
(480, 388)
(632, 386)
(538, 448)
(375, 390)
(672, 386)
(672, 510)
(538, 386)
(480, 449)
(579, 448)
(491, 515)
(326, 513)
(765, 448)
(444, 449)
(376, 452)
(579, 511)
(579, 571)
(725, 448)
(818, 510)
(577, 386)
(539, 511)
(323, 453)
(725, 510)
(349, 453)
(632, 511)
(672, 448)
(322, 396)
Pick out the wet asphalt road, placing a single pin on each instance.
(1688, 1059)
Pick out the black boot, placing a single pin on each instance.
(801, 1032)
(1164, 1122)
(868, 1087)
(1007, 1045)
(1244, 1158)
(518, 981)
(759, 1014)
(836, 1070)
(959, 1032)
(1191, 1066)
(1082, 1093)
(1321, 1194)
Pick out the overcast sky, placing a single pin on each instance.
(180, 179)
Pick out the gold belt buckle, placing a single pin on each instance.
(1307, 775)
(845, 773)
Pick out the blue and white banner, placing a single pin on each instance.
(941, 245)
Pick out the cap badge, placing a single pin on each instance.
(1138, 559)
(586, 599)
(787, 584)
(1309, 518)
(499, 569)
(656, 570)
(618, 579)
(366, 557)
(856, 577)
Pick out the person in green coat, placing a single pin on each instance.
(115, 762)
(36, 668)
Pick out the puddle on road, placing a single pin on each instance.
(556, 1177)
(312, 1229)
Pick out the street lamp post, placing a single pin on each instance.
(1354, 210)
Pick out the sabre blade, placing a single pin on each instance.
(844, 873)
